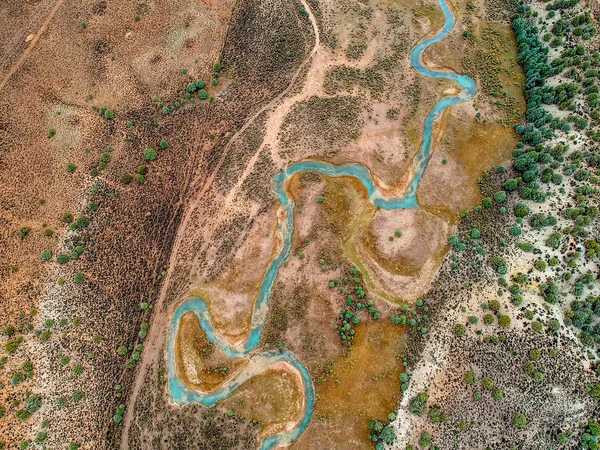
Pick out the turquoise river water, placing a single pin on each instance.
(259, 361)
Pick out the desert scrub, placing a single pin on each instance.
(330, 123)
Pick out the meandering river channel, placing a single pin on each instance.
(259, 361)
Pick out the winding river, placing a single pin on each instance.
(259, 361)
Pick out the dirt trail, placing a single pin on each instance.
(32, 43)
(154, 341)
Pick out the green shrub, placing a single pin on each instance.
(202, 94)
(46, 254)
(487, 383)
(163, 144)
(519, 420)
(470, 377)
(424, 440)
(459, 329)
(109, 114)
(126, 178)
(504, 321)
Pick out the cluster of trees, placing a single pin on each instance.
(584, 315)
(346, 328)
(380, 433)
(417, 318)
(590, 437)
(561, 4)
(349, 317)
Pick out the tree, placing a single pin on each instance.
(46, 254)
(33, 402)
(163, 144)
(499, 264)
(500, 197)
(553, 240)
(109, 114)
(515, 230)
(149, 154)
(62, 258)
(510, 184)
(549, 291)
(418, 402)
(202, 94)
(521, 210)
(387, 435)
